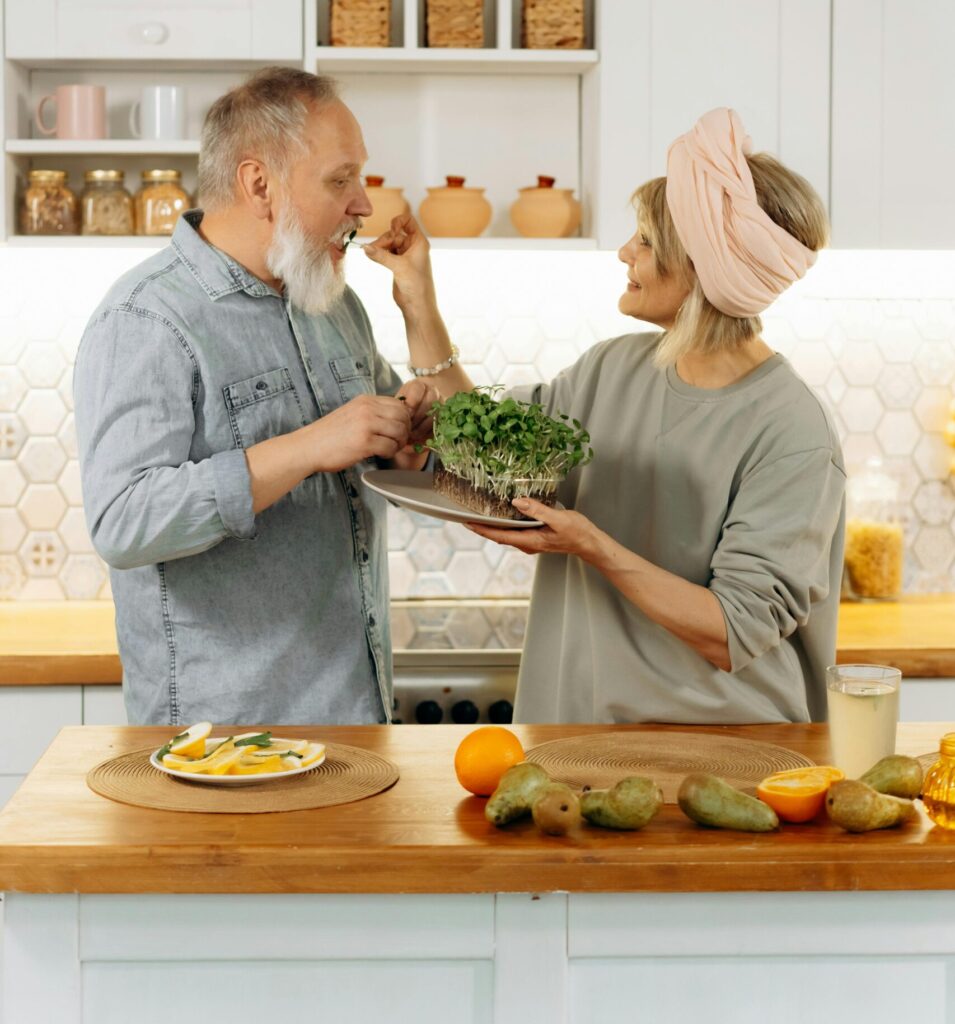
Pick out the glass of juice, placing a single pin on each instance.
(863, 714)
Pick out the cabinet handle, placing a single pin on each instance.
(154, 32)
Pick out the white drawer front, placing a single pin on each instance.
(176, 29)
(31, 717)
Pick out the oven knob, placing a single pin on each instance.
(464, 712)
(501, 712)
(428, 712)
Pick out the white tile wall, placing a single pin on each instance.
(873, 333)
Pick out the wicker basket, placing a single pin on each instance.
(553, 25)
(456, 23)
(360, 22)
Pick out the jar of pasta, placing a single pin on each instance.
(48, 207)
(106, 208)
(159, 202)
(875, 538)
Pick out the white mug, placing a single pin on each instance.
(161, 112)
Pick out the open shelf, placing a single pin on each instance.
(94, 147)
(492, 61)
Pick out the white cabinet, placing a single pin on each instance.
(153, 30)
(893, 111)
(32, 716)
(666, 62)
(204, 46)
(500, 115)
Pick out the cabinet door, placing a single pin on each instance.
(32, 716)
(663, 63)
(893, 111)
(153, 30)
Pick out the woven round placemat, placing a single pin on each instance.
(602, 760)
(347, 774)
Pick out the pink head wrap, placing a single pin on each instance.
(742, 258)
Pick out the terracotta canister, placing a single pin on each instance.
(546, 212)
(453, 211)
(388, 203)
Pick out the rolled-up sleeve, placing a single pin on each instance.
(146, 500)
(772, 561)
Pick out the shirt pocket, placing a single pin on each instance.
(353, 376)
(263, 406)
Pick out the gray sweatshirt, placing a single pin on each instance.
(738, 489)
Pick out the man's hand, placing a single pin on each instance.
(369, 426)
(419, 396)
(405, 251)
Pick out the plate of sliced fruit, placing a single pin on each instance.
(244, 759)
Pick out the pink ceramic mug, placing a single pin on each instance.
(80, 112)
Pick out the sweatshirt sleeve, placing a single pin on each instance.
(772, 561)
(146, 500)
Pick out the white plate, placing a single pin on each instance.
(414, 490)
(230, 780)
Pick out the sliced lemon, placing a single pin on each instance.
(176, 762)
(249, 735)
(315, 752)
(216, 763)
(256, 765)
(192, 743)
(296, 746)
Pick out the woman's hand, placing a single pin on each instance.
(406, 252)
(563, 533)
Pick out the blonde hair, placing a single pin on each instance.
(264, 118)
(699, 326)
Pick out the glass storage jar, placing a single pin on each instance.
(875, 539)
(938, 786)
(106, 208)
(159, 202)
(48, 206)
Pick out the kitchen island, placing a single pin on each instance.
(409, 906)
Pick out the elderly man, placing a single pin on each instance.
(228, 397)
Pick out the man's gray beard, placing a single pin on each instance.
(312, 281)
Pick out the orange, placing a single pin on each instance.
(798, 795)
(483, 756)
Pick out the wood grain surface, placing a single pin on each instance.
(426, 835)
(63, 642)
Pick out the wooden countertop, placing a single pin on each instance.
(426, 835)
(51, 642)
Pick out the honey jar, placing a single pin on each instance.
(48, 206)
(159, 202)
(938, 786)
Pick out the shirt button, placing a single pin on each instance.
(261, 386)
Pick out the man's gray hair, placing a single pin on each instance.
(263, 119)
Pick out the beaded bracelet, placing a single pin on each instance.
(431, 371)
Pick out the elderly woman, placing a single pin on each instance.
(694, 576)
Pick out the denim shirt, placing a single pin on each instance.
(280, 617)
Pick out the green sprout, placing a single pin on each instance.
(511, 449)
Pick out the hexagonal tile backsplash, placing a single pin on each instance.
(885, 366)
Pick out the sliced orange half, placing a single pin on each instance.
(798, 795)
